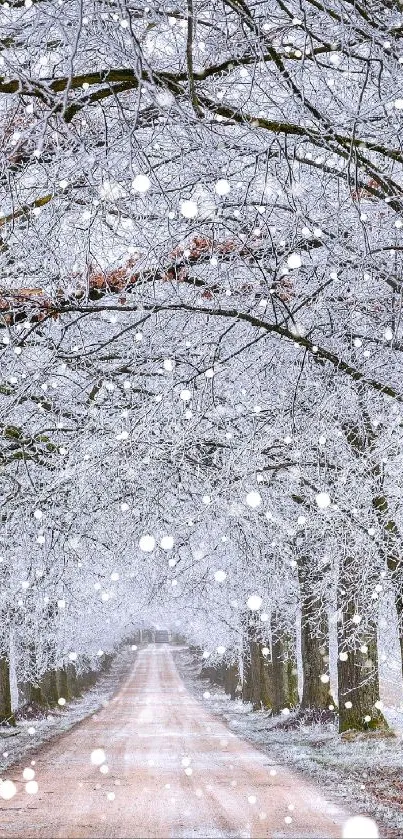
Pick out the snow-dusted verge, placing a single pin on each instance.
(23, 739)
(364, 771)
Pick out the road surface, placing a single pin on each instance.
(169, 769)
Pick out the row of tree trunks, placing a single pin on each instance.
(269, 678)
(63, 683)
(281, 671)
(54, 685)
(269, 673)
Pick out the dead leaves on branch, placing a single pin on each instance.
(23, 304)
(35, 305)
(367, 192)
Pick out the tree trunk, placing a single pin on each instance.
(6, 714)
(314, 645)
(33, 693)
(72, 681)
(62, 684)
(252, 684)
(231, 677)
(49, 688)
(282, 688)
(290, 652)
(214, 673)
(106, 663)
(270, 681)
(256, 674)
(392, 541)
(357, 663)
(392, 549)
(87, 677)
(275, 675)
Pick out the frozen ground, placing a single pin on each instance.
(28, 735)
(363, 772)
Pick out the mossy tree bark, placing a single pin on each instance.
(72, 682)
(62, 684)
(314, 644)
(215, 673)
(280, 673)
(106, 662)
(6, 714)
(363, 438)
(253, 687)
(49, 688)
(392, 548)
(357, 663)
(33, 693)
(270, 679)
(87, 677)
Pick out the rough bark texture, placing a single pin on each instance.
(270, 680)
(393, 553)
(284, 672)
(358, 674)
(279, 673)
(72, 681)
(6, 715)
(391, 550)
(315, 661)
(231, 679)
(33, 693)
(266, 679)
(49, 687)
(314, 644)
(214, 673)
(290, 648)
(87, 677)
(252, 683)
(86, 680)
(255, 687)
(106, 662)
(62, 684)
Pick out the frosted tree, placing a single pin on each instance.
(192, 249)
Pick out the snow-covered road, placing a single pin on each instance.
(170, 769)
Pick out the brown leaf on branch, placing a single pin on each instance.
(362, 192)
(36, 305)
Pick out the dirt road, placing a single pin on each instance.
(173, 771)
